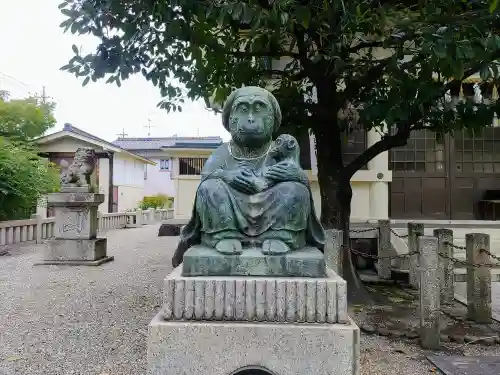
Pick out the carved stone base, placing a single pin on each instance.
(263, 299)
(204, 261)
(74, 262)
(75, 250)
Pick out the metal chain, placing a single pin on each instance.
(497, 258)
(454, 260)
(467, 264)
(398, 235)
(454, 246)
(399, 256)
(362, 230)
(365, 255)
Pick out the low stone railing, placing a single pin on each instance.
(431, 262)
(38, 229)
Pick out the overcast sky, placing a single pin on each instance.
(33, 48)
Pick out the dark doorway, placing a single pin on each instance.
(444, 178)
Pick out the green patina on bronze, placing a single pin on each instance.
(253, 192)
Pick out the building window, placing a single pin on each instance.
(354, 145)
(191, 166)
(164, 164)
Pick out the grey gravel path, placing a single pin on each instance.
(82, 320)
(93, 321)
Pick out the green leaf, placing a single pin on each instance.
(75, 49)
(303, 16)
(85, 81)
(493, 6)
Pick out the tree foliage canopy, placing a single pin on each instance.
(214, 46)
(24, 119)
(24, 177)
(393, 61)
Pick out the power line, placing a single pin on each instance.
(14, 79)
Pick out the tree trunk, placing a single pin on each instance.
(336, 196)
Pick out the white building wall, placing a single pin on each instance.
(128, 176)
(104, 184)
(159, 181)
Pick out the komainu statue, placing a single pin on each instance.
(78, 173)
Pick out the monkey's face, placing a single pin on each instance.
(284, 146)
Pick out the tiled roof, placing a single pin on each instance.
(167, 142)
(73, 129)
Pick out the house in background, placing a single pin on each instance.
(120, 174)
(179, 161)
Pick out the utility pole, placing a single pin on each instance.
(149, 126)
(122, 134)
(44, 96)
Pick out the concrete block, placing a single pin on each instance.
(414, 231)
(74, 199)
(62, 249)
(446, 272)
(478, 278)
(223, 348)
(429, 293)
(333, 250)
(76, 222)
(384, 250)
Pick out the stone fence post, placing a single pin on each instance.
(384, 249)
(414, 231)
(429, 292)
(151, 216)
(446, 273)
(138, 218)
(478, 278)
(333, 250)
(39, 227)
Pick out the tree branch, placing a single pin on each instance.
(292, 77)
(264, 54)
(385, 144)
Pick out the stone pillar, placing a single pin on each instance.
(138, 218)
(39, 224)
(75, 241)
(384, 249)
(478, 278)
(429, 293)
(414, 231)
(446, 272)
(151, 216)
(333, 250)
(41, 207)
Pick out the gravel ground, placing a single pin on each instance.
(93, 321)
(82, 320)
(382, 356)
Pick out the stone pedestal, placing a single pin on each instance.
(200, 260)
(75, 231)
(217, 325)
